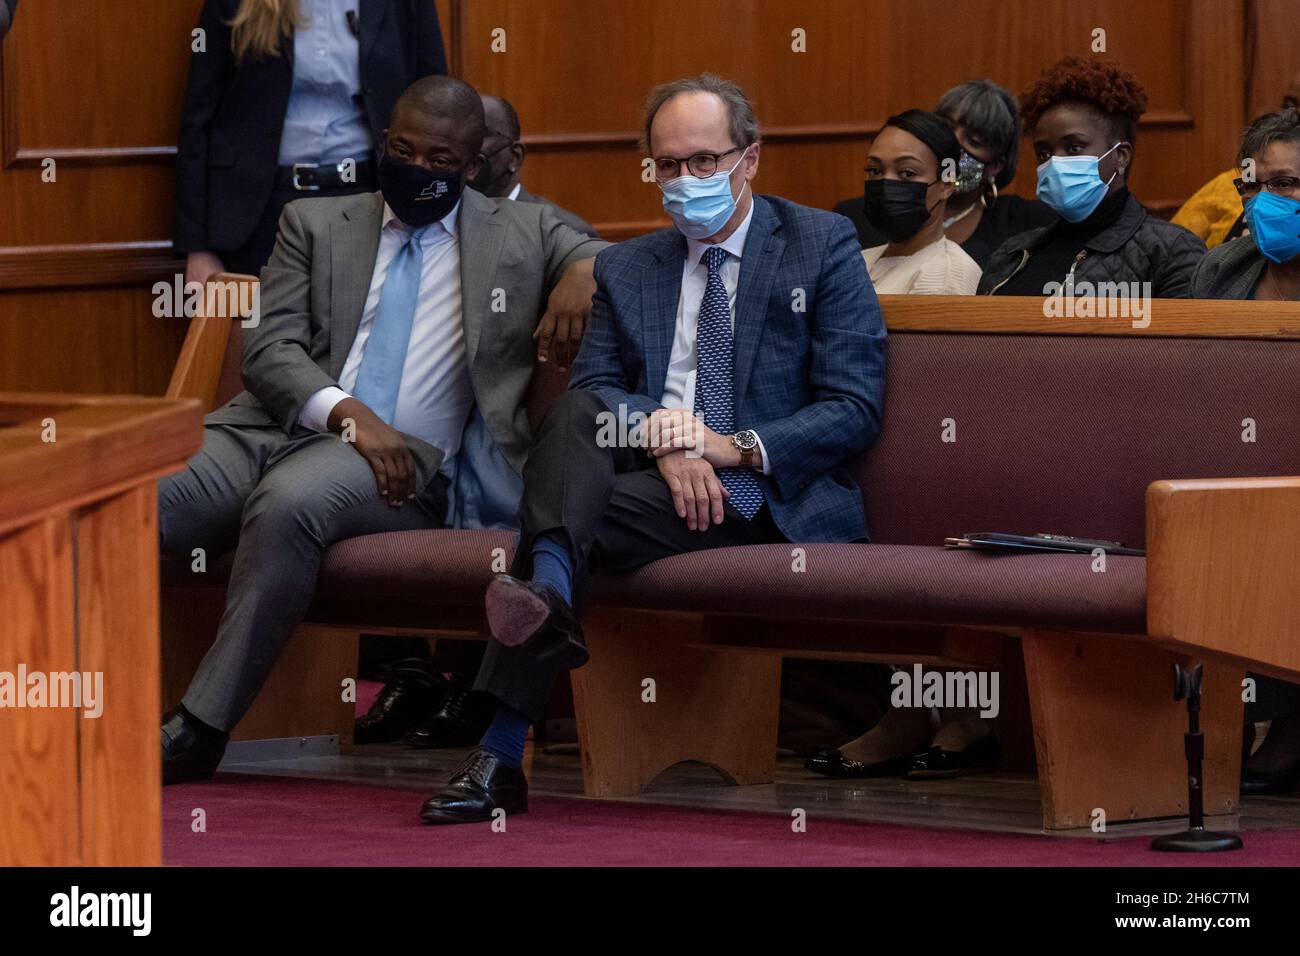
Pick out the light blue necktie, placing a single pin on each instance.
(380, 375)
(714, 399)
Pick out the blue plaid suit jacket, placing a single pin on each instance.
(809, 353)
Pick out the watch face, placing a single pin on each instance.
(746, 440)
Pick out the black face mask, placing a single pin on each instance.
(417, 196)
(895, 207)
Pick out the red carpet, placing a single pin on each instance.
(259, 821)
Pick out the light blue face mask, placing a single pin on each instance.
(700, 207)
(1275, 225)
(1071, 186)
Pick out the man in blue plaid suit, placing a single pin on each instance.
(731, 368)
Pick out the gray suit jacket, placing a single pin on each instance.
(314, 290)
(1230, 270)
(570, 219)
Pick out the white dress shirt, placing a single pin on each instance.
(435, 396)
(679, 384)
(514, 193)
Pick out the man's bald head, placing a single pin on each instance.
(501, 116)
(444, 100)
(438, 124)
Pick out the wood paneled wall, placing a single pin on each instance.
(97, 88)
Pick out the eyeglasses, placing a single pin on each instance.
(701, 165)
(1281, 185)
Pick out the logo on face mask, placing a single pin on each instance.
(1071, 186)
(434, 190)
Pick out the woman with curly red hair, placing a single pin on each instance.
(1082, 117)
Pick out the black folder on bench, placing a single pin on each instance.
(1045, 543)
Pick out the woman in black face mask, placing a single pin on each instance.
(912, 171)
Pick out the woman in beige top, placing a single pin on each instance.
(911, 172)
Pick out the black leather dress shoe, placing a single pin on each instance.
(524, 614)
(413, 691)
(832, 763)
(460, 721)
(1254, 782)
(483, 784)
(191, 750)
(939, 764)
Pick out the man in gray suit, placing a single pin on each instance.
(504, 153)
(388, 372)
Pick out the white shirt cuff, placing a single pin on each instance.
(767, 462)
(315, 412)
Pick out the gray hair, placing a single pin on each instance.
(993, 113)
(1280, 127)
(742, 121)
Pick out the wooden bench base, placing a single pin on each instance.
(717, 706)
(1107, 731)
(662, 688)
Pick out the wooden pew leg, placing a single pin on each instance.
(1109, 735)
(303, 697)
(718, 707)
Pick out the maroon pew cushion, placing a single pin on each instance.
(855, 582)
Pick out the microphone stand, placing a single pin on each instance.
(1196, 839)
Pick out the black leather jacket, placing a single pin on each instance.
(1137, 247)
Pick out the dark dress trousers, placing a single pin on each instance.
(229, 145)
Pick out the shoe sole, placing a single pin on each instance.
(514, 613)
(443, 817)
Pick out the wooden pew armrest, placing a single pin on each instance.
(198, 367)
(1223, 569)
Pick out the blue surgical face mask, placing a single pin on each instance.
(1275, 225)
(700, 207)
(1071, 186)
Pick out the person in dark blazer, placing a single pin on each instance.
(504, 154)
(385, 386)
(754, 313)
(286, 101)
(7, 10)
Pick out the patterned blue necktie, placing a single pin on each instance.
(714, 398)
(380, 375)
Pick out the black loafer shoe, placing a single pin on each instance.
(405, 701)
(1255, 782)
(832, 763)
(482, 785)
(460, 721)
(524, 614)
(939, 764)
(191, 750)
